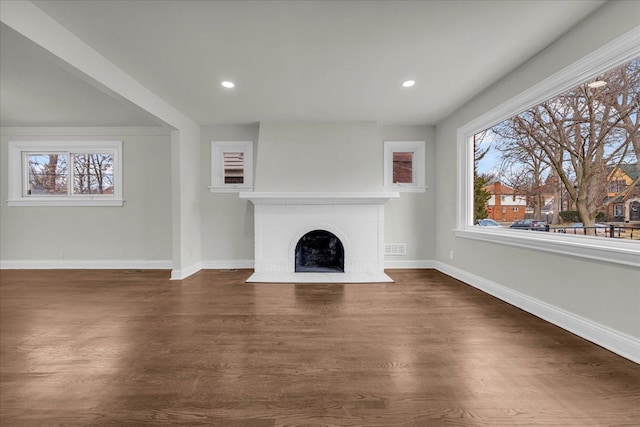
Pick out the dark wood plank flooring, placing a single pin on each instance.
(128, 348)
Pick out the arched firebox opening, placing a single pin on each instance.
(319, 251)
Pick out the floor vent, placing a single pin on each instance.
(395, 248)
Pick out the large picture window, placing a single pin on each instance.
(52, 173)
(564, 147)
(571, 157)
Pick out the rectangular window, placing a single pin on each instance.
(592, 81)
(231, 166)
(404, 165)
(618, 211)
(566, 144)
(65, 173)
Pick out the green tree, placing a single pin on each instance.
(480, 195)
(480, 198)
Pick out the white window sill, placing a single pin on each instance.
(229, 189)
(611, 250)
(65, 202)
(406, 189)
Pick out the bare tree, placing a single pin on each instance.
(579, 135)
(93, 173)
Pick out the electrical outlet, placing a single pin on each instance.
(450, 254)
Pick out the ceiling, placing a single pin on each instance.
(291, 61)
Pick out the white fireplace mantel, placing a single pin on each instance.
(282, 218)
(316, 198)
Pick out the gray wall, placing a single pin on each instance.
(411, 219)
(316, 157)
(319, 157)
(227, 221)
(603, 293)
(139, 230)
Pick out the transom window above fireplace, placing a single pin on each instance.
(231, 166)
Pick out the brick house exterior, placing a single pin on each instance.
(627, 209)
(505, 205)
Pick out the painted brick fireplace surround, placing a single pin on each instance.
(283, 218)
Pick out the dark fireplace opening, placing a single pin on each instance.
(319, 251)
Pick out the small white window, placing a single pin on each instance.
(404, 165)
(65, 173)
(231, 166)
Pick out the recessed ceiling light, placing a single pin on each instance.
(408, 83)
(228, 84)
(596, 84)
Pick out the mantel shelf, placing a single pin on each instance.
(317, 198)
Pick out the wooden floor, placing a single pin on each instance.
(128, 348)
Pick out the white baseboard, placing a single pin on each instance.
(615, 341)
(186, 272)
(63, 264)
(391, 263)
(211, 265)
(227, 264)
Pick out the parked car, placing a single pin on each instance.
(487, 223)
(530, 224)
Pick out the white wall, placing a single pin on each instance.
(138, 232)
(604, 294)
(186, 203)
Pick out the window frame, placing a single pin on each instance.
(218, 148)
(418, 167)
(18, 175)
(623, 49)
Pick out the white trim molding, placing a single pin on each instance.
(319, 198)
(615, 341)
(116, 131)
(227, 264)
(18, 173)
(418, 181)
(181, 274)
(69, 264)
(408, 264)
(218, 150)
(610, 250)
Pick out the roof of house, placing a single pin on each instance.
(504, 189)
(629, 169)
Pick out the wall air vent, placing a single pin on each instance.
(395, 248)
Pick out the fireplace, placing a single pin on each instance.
(319, 251)
(319, 237)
